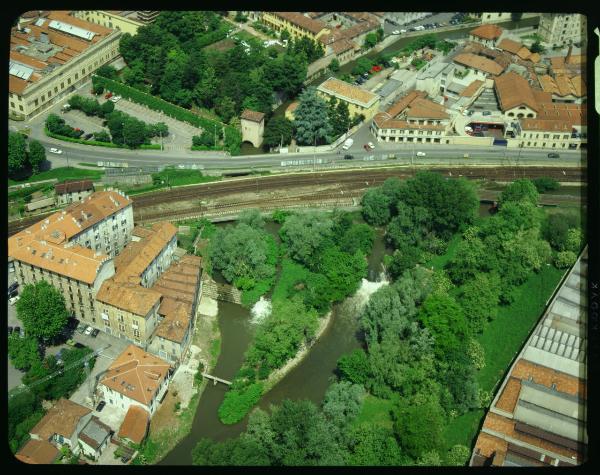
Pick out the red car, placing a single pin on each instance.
(108, 95)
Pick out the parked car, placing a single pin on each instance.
(95, 332)
(12, 287)
(115, 99)
(402, 31)
(56, 150)
(10, 330)
(370, 145)
(421, 154)
(88, 331)
(78, 345)
(59, 357)
(72, 323)
(14, 293)
(486, 113)
(108, 95)
(13, 300)
(478, 134)
(100, 406)
(81, 328)
(553, 155)
(396, 32)
(70, 342)
(348, 157)
(17, 330)
(88, 136)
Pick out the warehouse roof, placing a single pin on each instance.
(348, 92)
(479, 62)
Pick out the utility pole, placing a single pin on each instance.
(161, 140)
(315, 152)
(215, 135)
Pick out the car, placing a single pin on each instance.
(553, 155)
(100, 406)
(95, 332)
(365, 75)
(370, 145)
(115, 99)
(478, 134)
(70, 342)
(17, 330)
(421, 154)
(484, 128)
(465, 113)
(56, 150)
(13, 300)
(108, 95)
(72, 323)
(486, 113)
(402, 31)
(59, 357)
(14, 293)
(81, 328)
(348, 157)
(78, 345)
(12, 287)
(88, 136)
(396, 32)
(10, 330)
(88, 331)
(366, 147)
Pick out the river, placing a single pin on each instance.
(308, 380)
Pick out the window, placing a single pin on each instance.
(121, 328)
(62, 85)
(49, 94)
(68, 80)
(20, 108)
(36, 102)
(76, 76)
(136, 333)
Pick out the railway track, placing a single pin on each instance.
(347, 181)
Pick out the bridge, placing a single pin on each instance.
(216, 380)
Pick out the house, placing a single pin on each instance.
(72, 190)
(296, 24)
(516, 97)
(253, 127)
(62, 424)
(94, 438)
(134, 427)
(359, 100)
(38, 452)
(486, 34)
(480, 65)
(135, 378)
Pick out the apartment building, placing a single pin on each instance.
(359, 100)
(72, 190)
(52, 54)
(135, 378)
(557, 126)
(487, 34)
(297, 24)
(481, 66)
(413, 119)
(562, 29)
(127, 21)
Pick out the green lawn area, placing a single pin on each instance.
(170, 177)
(291, 273)
(502, 340)
(375, 410)
(61, 173)
(438, 262)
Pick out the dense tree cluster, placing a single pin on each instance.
(42, 310)
(21, 160)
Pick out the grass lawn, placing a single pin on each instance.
(502, 340)
(61, 173)
(375, 410)
(438, 262)
(170, 177)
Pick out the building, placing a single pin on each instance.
(413, 119)
(486, 34)
(94, 438)
(491, 17)
(38, 452)
(516, 97)
(72, 190)
(431, 79)
(180, 287)
(134, 427)
(253, 127)
(557, 126)
(50, 56)
(135, 378)
(62, 424)
(564, 88)
(127, 21)
(481, 66)
(297, 24)
(126, 303)
(514, 47)
(562, 29)
(360, 101)
(538, 416)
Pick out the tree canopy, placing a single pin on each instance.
(42, 310)
(311, 119)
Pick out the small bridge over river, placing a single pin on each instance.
(216, 380)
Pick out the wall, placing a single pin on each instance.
(122, 323)
(67, 198)
(110, 20)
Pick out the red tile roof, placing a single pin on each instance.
(38, 452)
(487, 32)
(135, 424)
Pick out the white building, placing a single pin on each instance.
(562, 29)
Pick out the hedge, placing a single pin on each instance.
(212, 37)
(205, 147)
(152, 146)
(233, 138)
(82, 141)
(238, 403)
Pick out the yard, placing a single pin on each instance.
(61, 173)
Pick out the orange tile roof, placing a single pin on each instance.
(16, 85)
(487, 445)
(348, 92)
(565, 383)
(422, 108)
(404, 102)
(535, 58)
(253, 116)
(471, 89)
(136, 374)
(135, 424)
(548, 84)
(61, 419)
(479, 62)
(175, 324)
(38, 452)
(509, 45)
(128, 296)
(524, 53)
(298, 19)
(292, 107)
(510, 395)
(27, 60)
(487, 32)
(342, 45)
(384, 121)
(514, 90)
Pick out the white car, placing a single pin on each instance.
(56, 150)
(402, 31)
(371, 146)
(14, 300)
(421, 154)
(396, 32)
(88, 331)
(115, 98)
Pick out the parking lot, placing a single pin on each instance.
(442, 17)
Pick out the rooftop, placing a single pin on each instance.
(472, 88)
(135, 424)
(136, 374)
(253, 116)
(131, 297)
(348, 92)
(37, 452)
(73, 186)
(95, 433)
(61, 419)
(304, 22)
(509, 45)
(478, 62)
(487, 32)
(513, 91)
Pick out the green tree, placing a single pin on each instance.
(37, 155)
(518, 190)
(354, 367)
(277, 131)
(311, 119)
(574, 240)
(305, 234)
(23, 352)
(376, 207)
(252, 218)
(134, 132)
(106, 108)
(544, 184)
(404, 258)
(358, 237)
(42, 310)
(225, 107)
(555, 228)
(334, 66)
(363, 65)
(409, 227)
(565, 259)
(102, 136)
(134, 74)
(343, 271)
(479, 298)
(107, 72)
(342, 402)
(458, 456)
(206, 88)
(371, 40)
(373, 445)
(17, 153)
(536, 47)
(418, 428)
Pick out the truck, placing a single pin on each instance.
(347, 144)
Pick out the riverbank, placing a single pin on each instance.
(173, 420)
(279, 373)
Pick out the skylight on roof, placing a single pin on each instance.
(20, 70)
(72, 30)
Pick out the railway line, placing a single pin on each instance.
(351, 182)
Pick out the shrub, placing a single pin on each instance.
(565, 259)
(238, 403)
(476, 353)
(544, 184)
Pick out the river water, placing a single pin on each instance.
(308, 380)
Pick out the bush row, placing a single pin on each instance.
(82, 141)
(233, 138)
